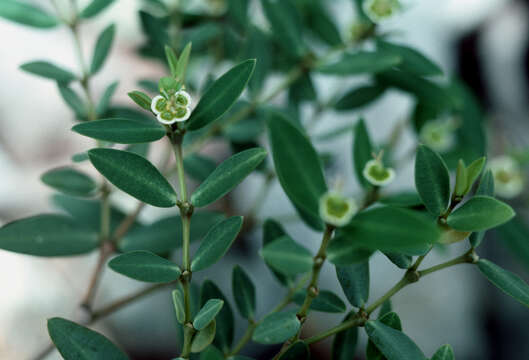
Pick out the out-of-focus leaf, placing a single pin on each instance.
(276, 328)
(102, 49)
(511, 284)
(287, 256)
(69, 181)
(27, 14)
(145, 266)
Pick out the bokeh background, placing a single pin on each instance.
(484, 42)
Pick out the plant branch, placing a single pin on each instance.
(355, 321)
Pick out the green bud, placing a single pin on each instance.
(337, 210)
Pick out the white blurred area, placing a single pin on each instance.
(35, 136)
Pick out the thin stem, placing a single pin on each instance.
(467, 258)
(396, 288)
(244, 340)
(356, 321)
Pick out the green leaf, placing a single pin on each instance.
(94, 8)
(287, 256)
(344, 343)
(360, 63)
(207, 313)
(104, 102)
(461, 179)
(486, 187)
(403, 199)
(276, 328)
(473, 171)
(145, 266)
(178, 302)
(134, 175)
(400, 260)
(511, 284)
(121, 131)
(480, 213)
(181, 65)
(322, 23)
(258, 46)
(48, 70)
(227, 175)
(390, 319)
(354, 280)
(297, 351)
(164, 235)
(141, 99)
(76, 342)
(272, 230)
(432, 180)
(412, 61)
(26, 14)
(326, 301)
(243, 292)
(216, 243)
(391, 229)
(203, 338)
(386, 308)
(342, 252)
(221, 95)
(211, 353)
(224, 319)
(362, 151)
(171, 59)
(47, 235)
(298, 168)
(445, 352)
(515, 234)
(199, 167)
(80, 157)
(286, 26)
(359, 97)
(73, 100)
(394, 344)
(69, 181)
(102, 49)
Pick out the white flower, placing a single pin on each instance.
(379, 10)
(508, 179)
(377, 174)
(176, 108)
(337, 210)
(439, 135)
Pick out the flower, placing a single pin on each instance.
(377, 174)
(379, 10)
(337, 210)
(173, 108)
(508, 180)
(438, 134)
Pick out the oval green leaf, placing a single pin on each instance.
(344, 343)
(26, 14)
(94, 8)
(276, 328)
(297, 351)
(342, 252)
(360, 63)
(199, 167)
(243, 292)
(69, 181)
(359, 97)
(216, 243)
(179, 307)
(121, 131)
(145, 266)
(221, 95)
(362, 151)
(48, 70)
(227, 175)
(480, 213)
(134, 175)
(445, 352)
(48, 235)
(394, 344)
(412, 60)
(224, 318)
(354, 280)
(76, 342)
(511, 284)
(326, 301)
(432, 180)
(203, 338)
(102, 48)
(287, 256)
(207, 313)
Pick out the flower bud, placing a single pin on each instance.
(439, 135)
(508, 179)
(337, 210)
(377, 174)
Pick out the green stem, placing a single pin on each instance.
(244, 340)
(396, 288)
(356, 321)
(468, 258)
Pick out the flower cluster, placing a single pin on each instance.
(171, 108)
(337, 210)
(379, 10)
(508, 179)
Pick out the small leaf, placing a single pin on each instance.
(171, 60)
(145, 266)
(362, 151)
(121, 131)
(276, 328)
(298, 168)
(47, 235)
(445, 352)
(359, 97)
(272, 230)
(69, 181)
(134, 175)
(297, 351)
(354, 280)
(486, 187)
(461, 179)
(287, 256)
(341, 252)
(412, 60)
(104, 102)
(178, 302)
(76, 342)
(360, 63)
(515, 234)
(344, 343)
(394, 344)
(511, 284)
(207, 313)
(480, 213)
(243, 292)
(326, 301)
(400, 260)
(216, 243)
(48, 70)
(103, 45)
(286, 25)
(141, 99)
(199, 167)
(94, 8)
(224, 319)
(26, 14)
(390, 319)
(73, 100)
(432, 180)
(227, 175)
(203, 338)
(221, 95)
(473, 171)
(181, 65)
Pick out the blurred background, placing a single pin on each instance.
(483, 42)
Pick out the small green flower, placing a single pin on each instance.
(379, 10)
(337, 210)
(173, 108)
(439, 135)
(377, 174)
(508, 179)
